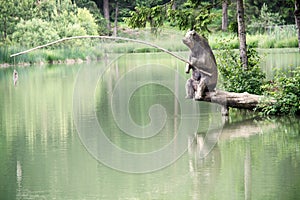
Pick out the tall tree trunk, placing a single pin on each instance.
(297, 19)
(224, 15)
(116, 19)
(106, 13)
(5, 29)
(242, 33)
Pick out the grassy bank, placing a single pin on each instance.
(172, 40)
(255, 41)
(48, 55)
(274, 37)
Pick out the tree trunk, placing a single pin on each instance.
(242, 33)
(106, 13)
(116, 19)
(5, 29)
(297, 19)
(224, 15)
(234, 100)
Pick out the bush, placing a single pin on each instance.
(234, 77)
(34, 32)
(285, 90)
(87, 21)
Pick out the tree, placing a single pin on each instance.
(116, 18)
(139, 18)
(87, 21)
(106, 13)
(266, 19)
(11, 12)
(191, 15)
(224, 15)
(34, 32)
(6, 17)
(242, 33)
(51, 24)
(297, 19)
(284, 8)
(95, 11)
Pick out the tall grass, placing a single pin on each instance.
(47, 55)
(275, 37)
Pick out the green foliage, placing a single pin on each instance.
(34, 32)
(284, 8)
(63, 21)
(58, 14)
(285, 90)
(266, 42)
(46, 10)
(91, 6)
(277, 37)
(48, 55)
(11, 12)
(288, 42)
(191, 15)
(232, 74)
(87, 21)
(155, 16)
(267, 18)
(233, 27)
(138, 18)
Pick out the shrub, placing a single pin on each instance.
(34, 32)
(234, 77)
(285, 90)
(87, 21)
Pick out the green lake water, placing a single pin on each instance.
(99, 131)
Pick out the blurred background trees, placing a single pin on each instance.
(63, 18)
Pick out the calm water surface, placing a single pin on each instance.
(42, 156)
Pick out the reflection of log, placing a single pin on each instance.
(246, 128)
(233, 100)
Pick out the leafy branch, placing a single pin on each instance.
(193, 15)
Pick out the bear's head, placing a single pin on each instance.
(191, 38)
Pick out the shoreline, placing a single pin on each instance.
(68, 61)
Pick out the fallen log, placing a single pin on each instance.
(233, 100)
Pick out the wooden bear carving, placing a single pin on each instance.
(201, 58)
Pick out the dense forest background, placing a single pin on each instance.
(34, 22)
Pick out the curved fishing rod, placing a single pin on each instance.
(111, 38)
